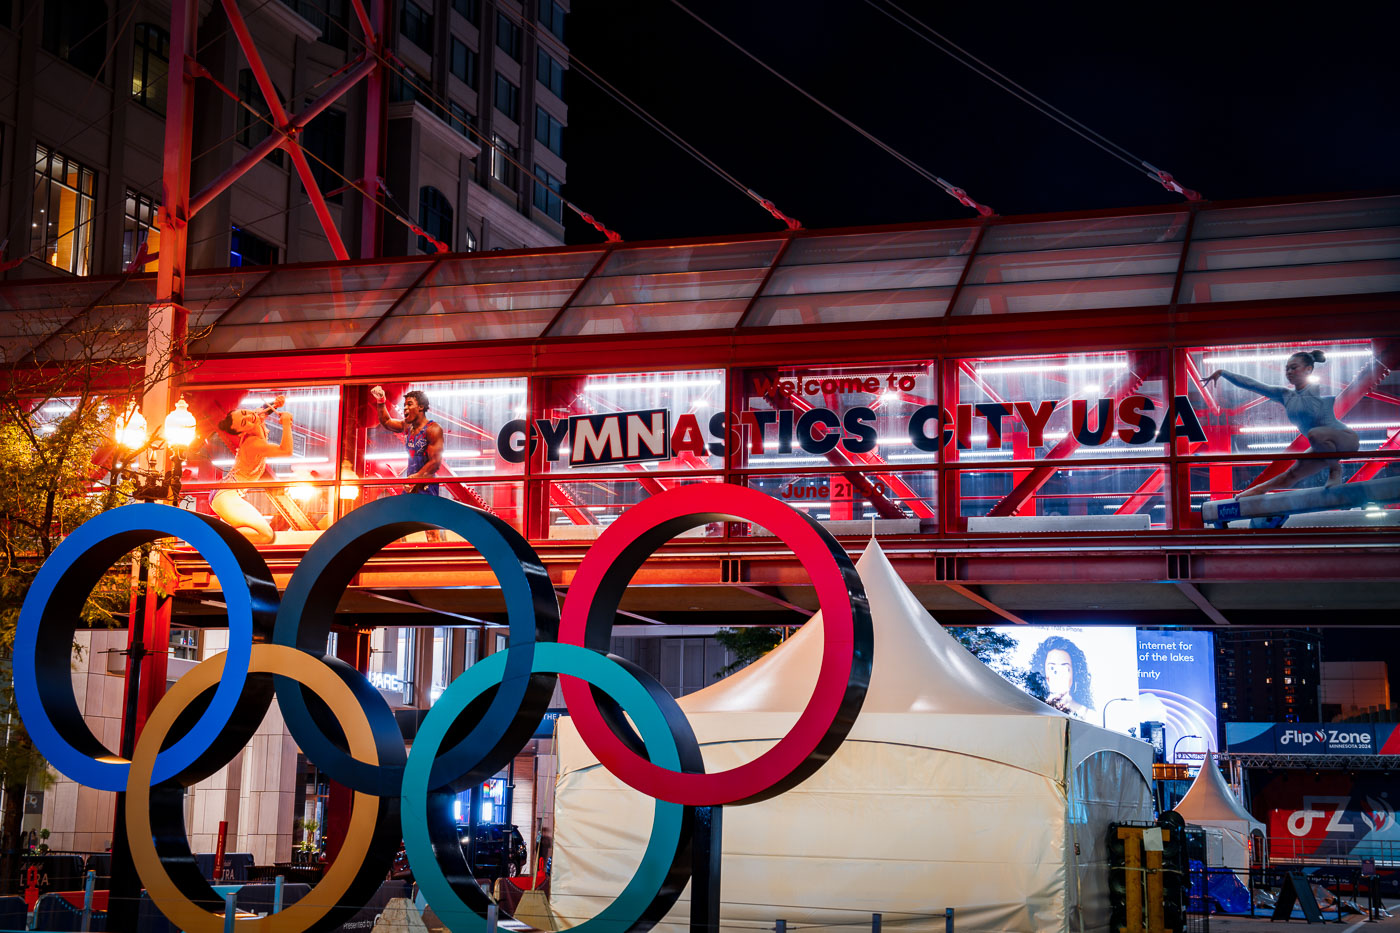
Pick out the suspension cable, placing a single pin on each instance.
(869, 137)
(979, 67)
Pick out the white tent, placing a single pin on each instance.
(1210, 803)
(954, 789)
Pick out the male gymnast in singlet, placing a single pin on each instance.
(422, 438)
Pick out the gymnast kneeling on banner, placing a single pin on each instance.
(1310, 412)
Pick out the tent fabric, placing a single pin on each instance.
(1209, 802)
(953, 789)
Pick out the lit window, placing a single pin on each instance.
(151, 66)
(504, 157)
(248, 250)
(62, 218)
(139, 226)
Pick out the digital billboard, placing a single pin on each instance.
(1119, 677)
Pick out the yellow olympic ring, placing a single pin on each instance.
(180, 910)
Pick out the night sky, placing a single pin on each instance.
(1237, 100)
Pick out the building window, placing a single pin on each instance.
(435, 217)
(76, 31)
(470, 10)
(139, 226)
(63, 198)
(507, 98)
(462, 121)
(249, 250)
(550, 73)
(547, 195)
(469, 246)
(184, 643)
(414, 88)
(255, 124)
(150, 67)
(324, 142)
(549, 131)
(332, 17)
(464, 64)
(507, 36)
(416, 25)
(504, 157)
(552, 18)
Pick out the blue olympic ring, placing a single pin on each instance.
(49, 618)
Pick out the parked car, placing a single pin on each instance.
(497, 850)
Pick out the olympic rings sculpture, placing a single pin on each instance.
(485, 716)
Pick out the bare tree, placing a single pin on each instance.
(76, 358)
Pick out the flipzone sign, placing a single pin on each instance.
(650, 434)
(1324, 738)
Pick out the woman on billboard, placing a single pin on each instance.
(251, 448)
(1066, 671)
(1310, 412)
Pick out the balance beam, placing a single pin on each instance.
(1295, 501)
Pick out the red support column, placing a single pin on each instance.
(376, 131)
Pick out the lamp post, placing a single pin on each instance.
(1178, 742)
(149, 622)
(176, 435)
(1104, 719)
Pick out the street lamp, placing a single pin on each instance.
(178, 431)
(1178, 742)
(1104, 719)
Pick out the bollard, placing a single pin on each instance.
(492, 917)
(88, 885)
(948, 920)
(277, 893)
(229, 911)
(874, 923)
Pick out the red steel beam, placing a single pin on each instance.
(281, 135)
(376, 130)
(279, 119)
(1036, 477)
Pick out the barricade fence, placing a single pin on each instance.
(87, 910)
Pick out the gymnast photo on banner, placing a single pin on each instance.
(1311, 412)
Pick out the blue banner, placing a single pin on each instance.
(1301, 738)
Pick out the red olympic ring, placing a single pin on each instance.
(591, 606)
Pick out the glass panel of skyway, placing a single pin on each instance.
(75, 319)
(486, 297)
(864, 277)
(669, 288)
(334, 306)
(1284, 251)
(1108, 262)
